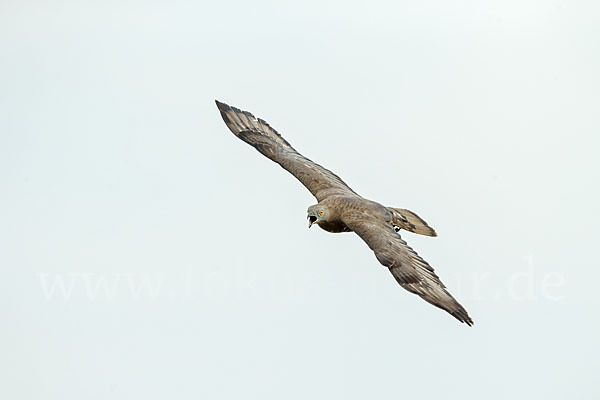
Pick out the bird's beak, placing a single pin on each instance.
(311, 220)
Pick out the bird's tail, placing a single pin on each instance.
(408, 220)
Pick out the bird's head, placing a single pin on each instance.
(317, 214)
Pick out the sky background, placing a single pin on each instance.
(147, 253)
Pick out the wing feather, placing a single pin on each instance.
(408, 268)
(256, 132)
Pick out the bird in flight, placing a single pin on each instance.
(341, 209)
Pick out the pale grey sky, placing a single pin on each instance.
(147, 253)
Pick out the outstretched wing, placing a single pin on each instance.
(318, 180)
(410, 270)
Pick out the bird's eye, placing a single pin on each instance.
(321, 212)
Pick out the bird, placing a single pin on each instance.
(341, 209)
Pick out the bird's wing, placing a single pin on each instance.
(318, 180)
(410, 270)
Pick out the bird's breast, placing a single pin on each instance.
(334, 227)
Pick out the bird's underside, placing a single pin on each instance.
(340, 209)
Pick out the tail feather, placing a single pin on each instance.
(408, 220)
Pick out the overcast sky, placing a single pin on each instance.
(147, 253)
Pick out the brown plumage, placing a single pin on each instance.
(340, 209)
(409, 221)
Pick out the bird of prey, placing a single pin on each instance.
(341, 209)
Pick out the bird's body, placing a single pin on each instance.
(341, 209)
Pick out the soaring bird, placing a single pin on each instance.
(341, 209)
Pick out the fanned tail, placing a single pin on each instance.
(409, 221)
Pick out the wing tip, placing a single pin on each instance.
(230, 118)
(222, 106)
(463, 317)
